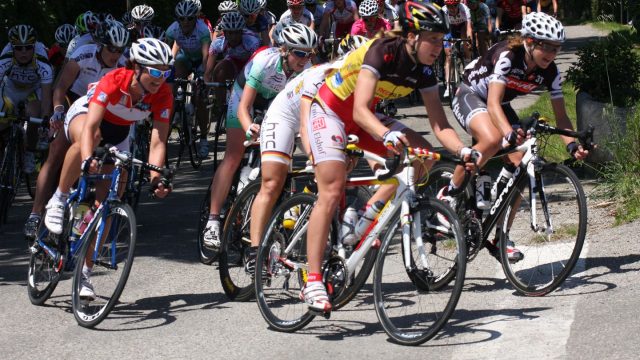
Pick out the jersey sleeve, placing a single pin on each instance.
(502, 67)
(467, 12)
(162, 104)
(45, 71)
(553, 82)
(358, 28)
(106, 91)
(170, 33)
(257, 71)
(204, 33)
(312, 82)
(217, 47)
(379, 57)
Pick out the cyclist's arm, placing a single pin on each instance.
(324, 24)
(305, 109)
(499, 13)
(174, 49)
(246, 104)
(363, 96)
(205, 52)
(562, 119)
(210, 65)
(555, 7)
(67, 77)
(439, 123)
(158, 147)
(494, 106)
(540, 5)
(88, 139)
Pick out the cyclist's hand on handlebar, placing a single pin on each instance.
(253, 132)
(513, 137)
(56, 120)
(577, 151)
(160, 188)
(471, 157)
(90, 165)
(394, 141)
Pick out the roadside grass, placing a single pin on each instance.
(609, 26)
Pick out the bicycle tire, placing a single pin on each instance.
(206, 255)
(219, 137)
(236, 283)
(285, 294)
(90, 314)
(394, 290)
(8, 181)
(190, 136)
(549, 258)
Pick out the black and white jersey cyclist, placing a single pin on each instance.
(511, 68)
(25, 77)
(86, 25)
(141, 17)
(295, 14)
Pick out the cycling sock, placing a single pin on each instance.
(451, 186)
(60, 196)
(314, 277)
(34, 216)
(86, 271)
(214, 217)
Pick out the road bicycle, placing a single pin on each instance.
(104, 236)
(184, 119)
(542, 208)
(411, 300)
(456, 69)
(220, 127)
(140, 144)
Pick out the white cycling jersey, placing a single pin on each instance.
(20, 81)
(91, 69)
(341, 15)
(190, 44)
(41, 50)
(287, 18)
(282, 121)
(78, 41)
(462, 16)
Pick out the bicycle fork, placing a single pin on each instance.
(536, 187)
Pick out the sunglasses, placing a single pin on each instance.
(158, 74)
(114, 49)
(548, 47)
(301, 54)
(186, 18)
(23, 47)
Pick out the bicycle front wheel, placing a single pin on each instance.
(549, 232)
(110, 261)
(416, 295)
(190, 135)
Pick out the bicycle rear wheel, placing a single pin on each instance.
(45, 270)
(190, 132)
(112, 263)
(412, 309)
(552, 245)
(236, 282)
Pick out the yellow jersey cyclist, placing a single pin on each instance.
(386, 68)
(264, 76)
(510, 69)
(191, 38)
(26, 76)
(88, 64)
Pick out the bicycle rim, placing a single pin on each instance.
(411, 314)
(111, 267)
(278, 286)
(550, 252)
(236, 282)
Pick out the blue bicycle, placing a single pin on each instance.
(101, 238)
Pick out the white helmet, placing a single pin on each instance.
(149, 51)
(186, 8)
(368, 8)
(263, 4)
(22, 35)
(541, 26)
(198, 4)
(232, 21)
(248, 7)
(351, 42)
(114, 33)
(65, 33)
(227, 6)
(299, 36)
(142, 13)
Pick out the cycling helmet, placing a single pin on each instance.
(299, 36)
(186, 8)
(227, 6)
(248, 7)
(368, 8)
(451, 2)
(148, 51)
(294, 2)
(232, 21)
(197, 3)
(421, 16)
(102, 17)
(65, 33)
(541, 26)
(309, 2)
(115, 34)
(126, 18)
(156, 32)
(351, 42)
(22, 35)
(142, 13)
(86, 22)
(263, 4)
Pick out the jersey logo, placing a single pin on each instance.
(318, 124)
(520, 85)
(337, 78)
(102, 97)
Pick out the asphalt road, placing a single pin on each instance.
(174, 307)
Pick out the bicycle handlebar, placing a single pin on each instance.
(31, 119)
(536, 122)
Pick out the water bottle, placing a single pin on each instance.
(88, 216)
(79, 213)
(367, 218)
(244, 177)
(347, 229)
(483, 191)
(501, 183)
(290, 217)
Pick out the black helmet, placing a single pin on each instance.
(420, 16)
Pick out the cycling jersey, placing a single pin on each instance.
(287, 18)
(19, 81)
(78, 41)
(261, 24)
(462, 16)
(190, 44)
(240, 54)
(91, 69)
(390, 13)
(480, 17)
(398, 75)
(41, 50)
(509, 67)
(317, 14)
(342, 19)
(360, 27)
(512, 13)
(112, 92)
(263, 72)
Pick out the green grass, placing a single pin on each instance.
(554, 149)
(609, 26)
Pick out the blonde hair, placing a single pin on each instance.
(515, 41)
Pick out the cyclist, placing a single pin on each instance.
(549, 7)
(460, 20)
(86, 25)
(264, 76)
(338, 18)
(510, 69)
(224, 7)
(26, 76)
(105, 115)
(388, 12)
(254, 20)
(58, 51)
(191, 39)
(295, 14)
(370, 23)
(141, 17)
(481, 21)
(316, 10)
(389, 67)
(87, 65)
(509, 15)
(234, 47)
(156, 32)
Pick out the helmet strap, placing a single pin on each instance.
(285, 63)
(144, 90)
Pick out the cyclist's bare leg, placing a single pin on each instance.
(221, 182)
(72, 161)
(330, 176)
(223, 71)
(273, 177)
(32, 109)
(45, 185)
(447, 65)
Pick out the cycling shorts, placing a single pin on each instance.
(277, 137)
(467, 104)
(117, 135)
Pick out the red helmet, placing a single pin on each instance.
(295, 2)
(451, 2)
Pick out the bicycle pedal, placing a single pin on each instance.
(325, 314)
